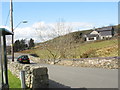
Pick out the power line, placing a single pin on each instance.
(7, 18)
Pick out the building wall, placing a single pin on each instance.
(109, 36)
(102, 35)
(94, 32)
(88, 39)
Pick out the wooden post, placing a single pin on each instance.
(11, 25)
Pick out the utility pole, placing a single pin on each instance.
(11, 25)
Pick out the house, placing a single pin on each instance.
(100, 33)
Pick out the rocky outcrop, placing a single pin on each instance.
(36, 76)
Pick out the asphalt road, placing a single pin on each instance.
(78, 77)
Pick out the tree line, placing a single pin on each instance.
(21, 45)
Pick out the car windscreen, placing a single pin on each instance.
(26, 57)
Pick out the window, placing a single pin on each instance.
(91, 38)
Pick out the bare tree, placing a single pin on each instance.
(56, 50)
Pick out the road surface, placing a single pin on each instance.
(78, 77)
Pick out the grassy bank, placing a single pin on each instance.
(104, 48)
(14, 82)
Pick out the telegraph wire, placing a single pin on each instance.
(7, 18)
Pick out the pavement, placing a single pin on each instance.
(79, 77)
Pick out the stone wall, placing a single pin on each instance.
(35, 75)
(109, 62)
(37, 59)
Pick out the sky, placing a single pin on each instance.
(77, 15)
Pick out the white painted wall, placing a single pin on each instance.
(87, 39)
(94, 32)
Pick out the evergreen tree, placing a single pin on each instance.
(20, 45)
(17, 46)
(31, 43)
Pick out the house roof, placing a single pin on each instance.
(105, 33)
(104, 29)
(4, 31)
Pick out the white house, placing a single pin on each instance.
(99, 34)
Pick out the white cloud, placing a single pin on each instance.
(80, 25)
(46, 30)
(5, 27)
(39, 24)
(24, 33)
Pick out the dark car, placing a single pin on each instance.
(23, 59)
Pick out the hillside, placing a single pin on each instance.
(73, 45)
(107, 48)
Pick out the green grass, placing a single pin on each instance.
(14, 82)
(81, 50)
(94, 46)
